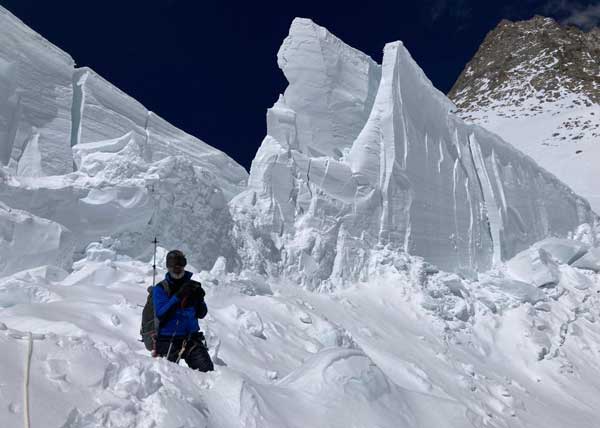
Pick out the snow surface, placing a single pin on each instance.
(352, 173)
(493, 353)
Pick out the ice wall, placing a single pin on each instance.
(47, 106)
(35, 101)
(103, 112)
(453, 193)
(322, 194)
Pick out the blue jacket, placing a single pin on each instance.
(184, 321)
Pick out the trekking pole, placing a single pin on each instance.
(155, 242)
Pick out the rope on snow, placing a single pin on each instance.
(30, 337)
(26, 385)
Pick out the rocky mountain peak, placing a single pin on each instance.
(533, 59)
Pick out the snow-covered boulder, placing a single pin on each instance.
(407, 175)
(534, 266)
(590, 260)
(27, 241)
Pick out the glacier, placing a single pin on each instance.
(365, 187)
(359, 156)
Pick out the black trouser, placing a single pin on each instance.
(195, 352)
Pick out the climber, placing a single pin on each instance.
(178, 303)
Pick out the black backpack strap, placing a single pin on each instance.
(165, 285)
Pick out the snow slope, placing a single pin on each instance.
(490, 353)
(403, 173)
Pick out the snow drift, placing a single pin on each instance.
(359, 156)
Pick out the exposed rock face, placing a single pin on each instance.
(536, 58)
(415, 178)
(537, 85)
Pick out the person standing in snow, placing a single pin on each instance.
(179, 302)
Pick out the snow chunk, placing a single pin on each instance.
(590, 261)
(520, 291)
(19, 231)
(565, 251)
(534, 266)
(252, 324)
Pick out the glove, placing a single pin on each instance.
(199, 292)
(185, 291)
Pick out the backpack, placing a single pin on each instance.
(150, 322)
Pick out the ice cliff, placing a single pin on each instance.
(47, 106)
(85, 161)
(359, 157)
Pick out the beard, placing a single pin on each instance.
(177, 275)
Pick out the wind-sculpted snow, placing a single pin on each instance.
(415, 178)
(47, 106)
